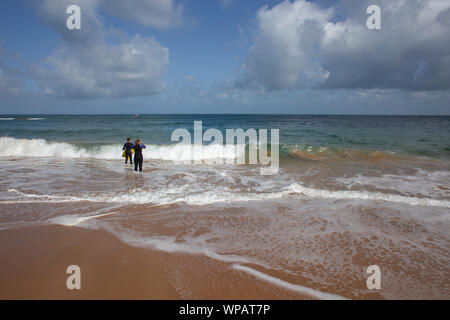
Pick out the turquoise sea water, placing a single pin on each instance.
(415, 135)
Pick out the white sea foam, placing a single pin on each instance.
(39, 148)
(199, 245)
(37, 198)
(169, 244)
(75, 220)
(182, 153)
(161, 197)
(372, 196)
(30, 119)
(422, 182)
(293, 287)
(172, 195)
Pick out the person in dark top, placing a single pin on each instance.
(138, 157)
(128, 154)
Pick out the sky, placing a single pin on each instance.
(225, 56)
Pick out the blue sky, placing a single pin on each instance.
(225, 56)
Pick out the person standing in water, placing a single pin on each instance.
(138, 157)
(128, 154)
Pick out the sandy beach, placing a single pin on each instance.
(34, 263)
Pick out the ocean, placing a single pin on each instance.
(351, 192)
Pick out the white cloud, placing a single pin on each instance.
(299, 45)
(87, 66)
(53, 12)
(134, 68)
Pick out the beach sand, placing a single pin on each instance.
(34, 262)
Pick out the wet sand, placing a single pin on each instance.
(34, 262)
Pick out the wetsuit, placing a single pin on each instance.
(138, 157)
(127, 147)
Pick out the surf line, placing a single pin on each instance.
(75, 220)
(292, 287)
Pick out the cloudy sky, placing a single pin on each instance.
(225, 56)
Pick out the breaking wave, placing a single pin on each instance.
(25, 118)
(40, 148)
(29, 148)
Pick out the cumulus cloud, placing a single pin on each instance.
(53, 13)
(134, 68)
(86, 65)
(301, 45)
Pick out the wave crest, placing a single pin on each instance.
(40, 148)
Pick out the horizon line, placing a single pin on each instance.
(223, 114)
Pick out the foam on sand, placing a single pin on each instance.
(168, 196)
(75, 220)
(293, 287)
(372, 196)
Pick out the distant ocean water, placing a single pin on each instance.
(409, 135)
(352, 191)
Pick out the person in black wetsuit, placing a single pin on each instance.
(138, 157)
(128, 154)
